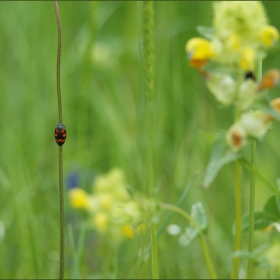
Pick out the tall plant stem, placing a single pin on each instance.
(58, 63)
(238, 219)
(202, 240)
(250, 269)
(60, 157)
(62, 222)
(148, 48)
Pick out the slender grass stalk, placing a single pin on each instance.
(250, 269)
(238, 218)
(60, 157)
(202, 240)
(58, 63)
(62, 222)
(148, 48)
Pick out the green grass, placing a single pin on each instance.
(103, 110)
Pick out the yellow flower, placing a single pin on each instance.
(127, 231)
(129, 212)
(244, 18)
(247, 59)
(268, 35)
(105, 200)
(199, 51)
(199, 48)
(79, 198)
(101, 222)
(242, 29)
(102, 184)
(234, 42)
(110, 181)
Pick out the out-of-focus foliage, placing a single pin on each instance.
(103, 110)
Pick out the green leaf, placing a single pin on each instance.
(243, 254)
(256, 255)
(245, 163)
(208, 136)
(272, 208)
(260, 221)
(221, 154)
(199, 216)
(207, 32)
(163, 226)
(179, 202)
(271, 112)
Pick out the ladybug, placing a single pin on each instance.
(60, 134)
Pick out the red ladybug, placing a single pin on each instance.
(60, 134)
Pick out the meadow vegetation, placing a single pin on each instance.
(102, 83)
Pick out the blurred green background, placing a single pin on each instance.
(104, 113)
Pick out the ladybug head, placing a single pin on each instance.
(60, 126)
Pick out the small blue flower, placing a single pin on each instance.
(72, 180)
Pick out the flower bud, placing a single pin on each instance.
(247, 94)
(269, 80)
(236, 137)
(255, 124)
(223, 87)
(275, 104)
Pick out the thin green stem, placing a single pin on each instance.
(148, 48)
(58, 63)
(202, 240)
(62, 223)
(250, 269)
(60, 157)
(259, 70)
(115, 264)
(238, 219)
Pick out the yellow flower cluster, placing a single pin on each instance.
(112, 211)
(242, 32)
(240, 37)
